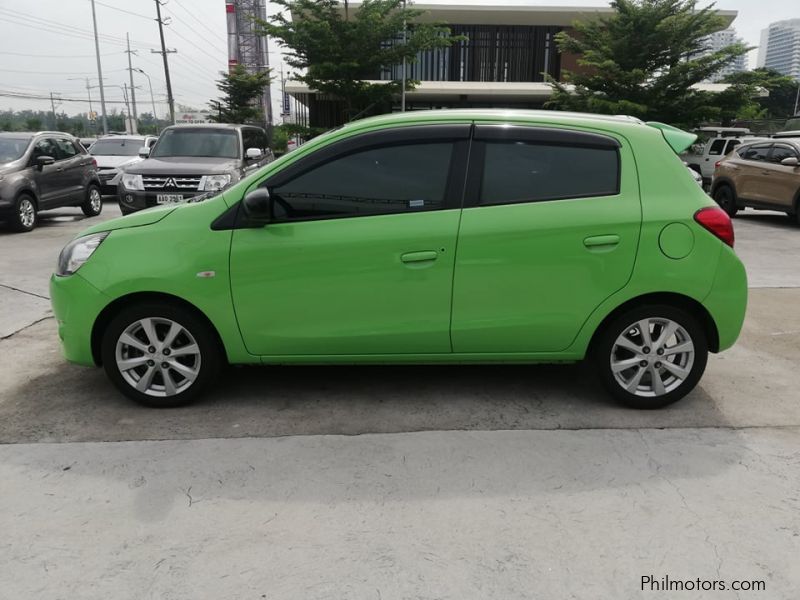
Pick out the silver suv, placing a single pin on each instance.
(45, 170)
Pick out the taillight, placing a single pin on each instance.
(717, 221)
(94, 163)
(717, 164)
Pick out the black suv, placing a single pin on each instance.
(192, 160)
(40, 171)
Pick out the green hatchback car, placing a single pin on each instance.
(478, 236)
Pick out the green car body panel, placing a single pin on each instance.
(528, 282)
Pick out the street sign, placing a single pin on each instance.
(191, 118)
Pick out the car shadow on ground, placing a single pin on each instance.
(70, 403)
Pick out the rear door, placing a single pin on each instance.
(549, 230)
(358, 256)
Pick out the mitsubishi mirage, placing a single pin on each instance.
(475, 236)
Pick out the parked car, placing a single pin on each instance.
(86, 142)
(41, 171)
(447, 236)
(704, 159)
(763, 175)
(113, 153)
(192, 160)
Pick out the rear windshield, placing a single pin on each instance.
(116, 147)
(12, 148)
(211, 143)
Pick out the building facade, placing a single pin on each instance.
(504, 62)
(780, 47)
(716, 42)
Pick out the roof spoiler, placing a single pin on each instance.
(677, 139)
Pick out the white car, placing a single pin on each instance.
(112, 153)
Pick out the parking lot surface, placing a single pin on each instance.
(461, 483)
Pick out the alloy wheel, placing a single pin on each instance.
(27, 213)
(158, 357)
(652, 357)
(95, 200)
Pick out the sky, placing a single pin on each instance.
(47, 46)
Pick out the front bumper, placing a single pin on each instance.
(76, 306)
(130, 201)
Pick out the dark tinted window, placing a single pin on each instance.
(45, 147)
(66, 149)
(781, 152)
(391, 179)
(716, 147)
(530, 172)
(254, 138)
(758, 152)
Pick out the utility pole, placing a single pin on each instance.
(53, 106)
(99, 72)
(128, 106)
(164, 53)
(405, 40)
(135, 129)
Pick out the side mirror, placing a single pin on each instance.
(253, 154)
(790, 161)
(257, 204)
(144, 151)
(41, 161)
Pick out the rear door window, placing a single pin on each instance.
(519, 171)
(66, 149)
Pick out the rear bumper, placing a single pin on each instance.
(76, 306)
(727, 301)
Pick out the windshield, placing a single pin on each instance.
(12, 148)
(212, 143)
(119, 147)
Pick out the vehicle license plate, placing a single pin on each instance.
(169, 198)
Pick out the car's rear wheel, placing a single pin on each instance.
(93, 205)
(23, 216)
(726, 198)
(160, 355)
(651, 356)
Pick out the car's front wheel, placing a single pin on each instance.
(726, 198)
(23, 216)
(651, 356)
(93, 205)
(160, 355)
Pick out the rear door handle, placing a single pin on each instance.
(418, 257)
(600, 241)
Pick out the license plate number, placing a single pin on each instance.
(169, 198)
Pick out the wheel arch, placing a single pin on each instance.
(720, 181)
(29, 191)
(113, 308)
(686, 303)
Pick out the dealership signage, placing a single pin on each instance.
(190, 118)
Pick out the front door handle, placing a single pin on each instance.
(600, 241)
(418, 257)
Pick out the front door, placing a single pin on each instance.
(781, 181)
(358, 256)
(49, 178)
(753, 175)
(549, 230)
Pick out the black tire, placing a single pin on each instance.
(726, 198)
(24, 215)
(93, 204)
(197, 331)
(604, 351)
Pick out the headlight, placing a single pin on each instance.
(78, 252)
(213, 183)
(132, 182)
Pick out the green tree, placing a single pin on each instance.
(644, 60)
(240, 90)
(33, 124)
(782, 90)
(339, 51)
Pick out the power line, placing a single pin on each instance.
(194, 18)
(122, 10)
(27, 55)
(196, 46)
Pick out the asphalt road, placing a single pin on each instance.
(460, 481)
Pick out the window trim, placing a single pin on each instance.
(532, 135)
(769, 146)
(458, 134)
(781, 145)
